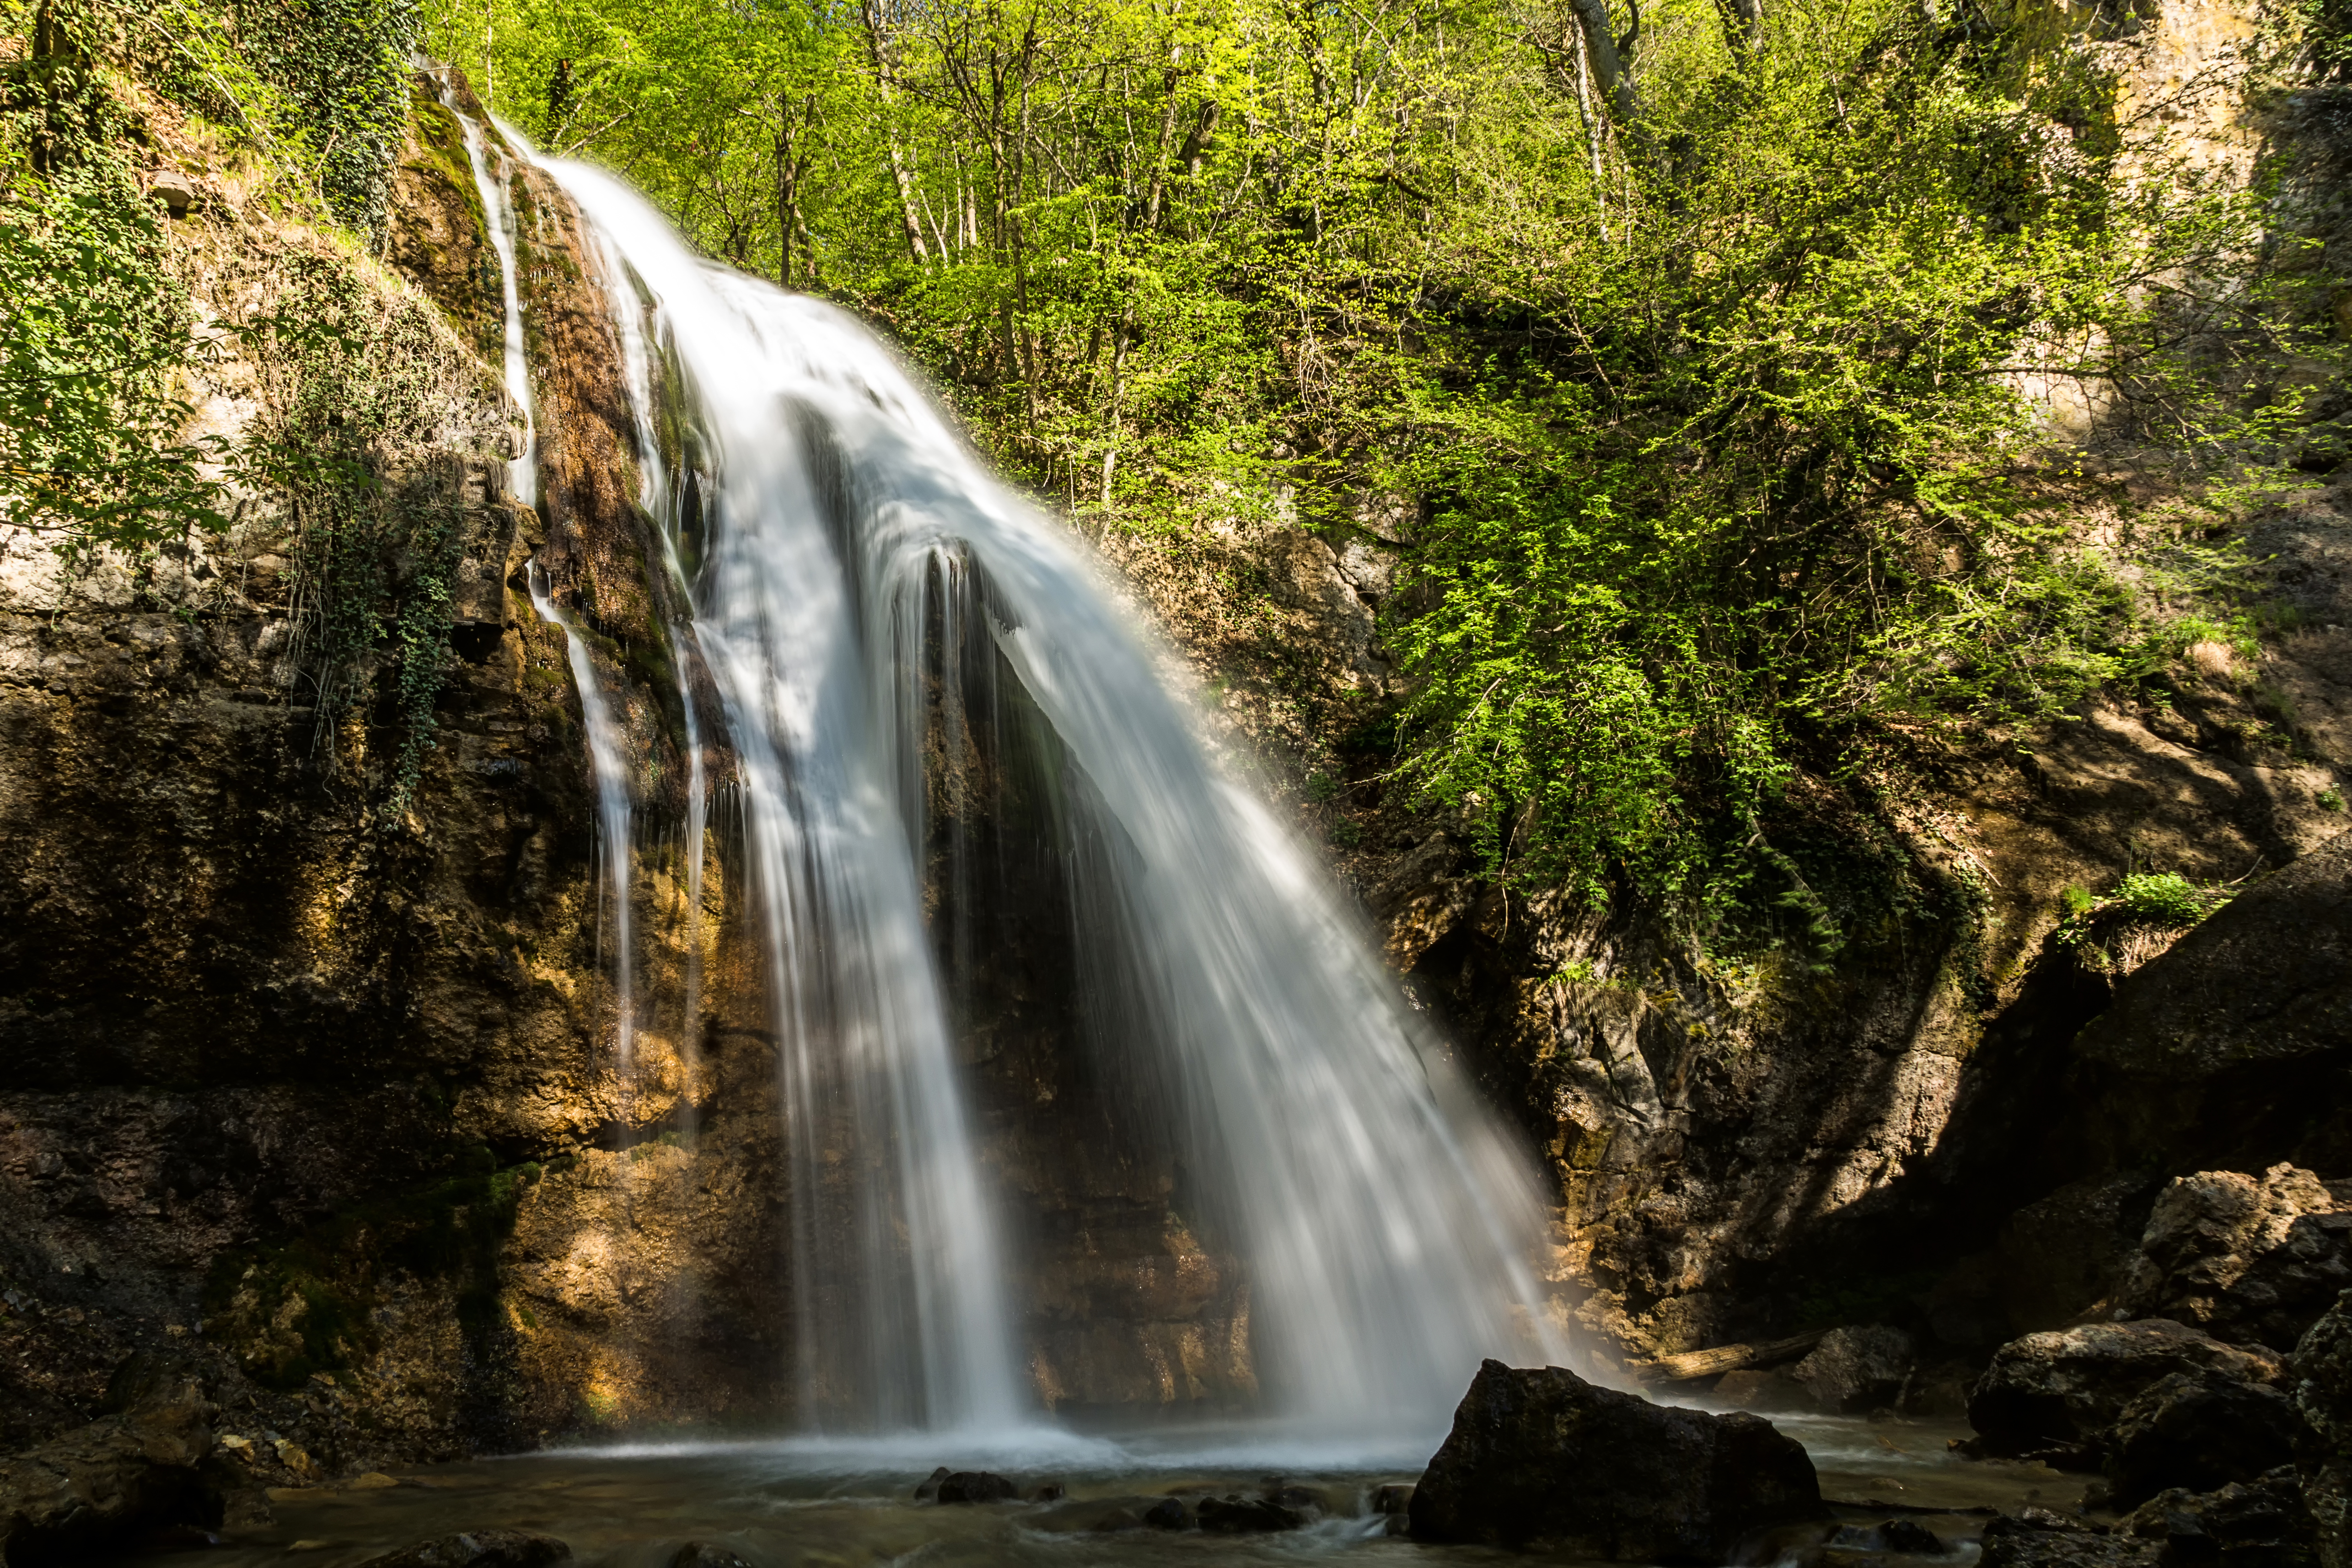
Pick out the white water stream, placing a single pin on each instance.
(885, 624)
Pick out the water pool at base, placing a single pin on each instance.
(805, 1504)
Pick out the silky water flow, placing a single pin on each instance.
(905, 654)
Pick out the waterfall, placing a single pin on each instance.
(608, 766)
(498, 211)
(905, 652)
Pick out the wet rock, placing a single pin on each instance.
(976, 1486)
(1903, 1536)
(1766, 1391)
(1856, 1370)
(928, 1491)
(703, 1554)
(2198, 1430)
(2323, 1397)
(2261, 1524)
(2040, 1539)
(1117, 1519)
(121, 1476)
(1394, 1497)
(1168, 1514)
(478, 1549)
(1539, 1455)
(2243, 1259)
(1049, 1491)
(2053, 1395)
(1245, 1516)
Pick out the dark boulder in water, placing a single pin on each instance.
(478, 1549)
(976, 1486)
(1168, 1514)
(1904, 1537)
(1245, 1516)
(930, 1490)
(703, 1554)
(1539, 1456)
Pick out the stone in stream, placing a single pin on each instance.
(1237, 1515)
(976, 1486)
(1855, 1371)
(2054, 1395)
(1904, 1537)
(928, 1491)
(2037, 1538)
(478, 1549)
(1168, 1514)
(2198, 1430)
(704, 1554)
(1539, 1456)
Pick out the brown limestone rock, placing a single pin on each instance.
(1538, 1455)
(2056, 1394)
(1855, 1371)
(2245, 1259)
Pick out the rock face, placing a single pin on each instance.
(2234, 1042)
(2242, 1259)
(1541, 1455)
(2056, 1394)
(2198, 1431)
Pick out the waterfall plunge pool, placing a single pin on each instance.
(849, 1503)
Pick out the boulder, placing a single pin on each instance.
(1855, 1371)
(976, 1486)
(928, 1490)
(2054, 1395)
(477, 1549)
(2257, 1524)
(1902, 1537)
(1245, 1516)
(704, 1554)
(1167, 1513)
(1764, 1390)
(2323, 1397)
(2226, 1051)
(2241, 1259)
(2198, 1431)
(2040, 1539)
(137, 1471)
(1538, 1455)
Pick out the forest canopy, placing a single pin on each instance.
(1718, 370)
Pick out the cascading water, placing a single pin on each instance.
(898, 642)
(497, 209)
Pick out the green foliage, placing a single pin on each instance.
(2330, 799)
(95, 335)
(342, 67)
(2144, 903)
(1724, 398)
